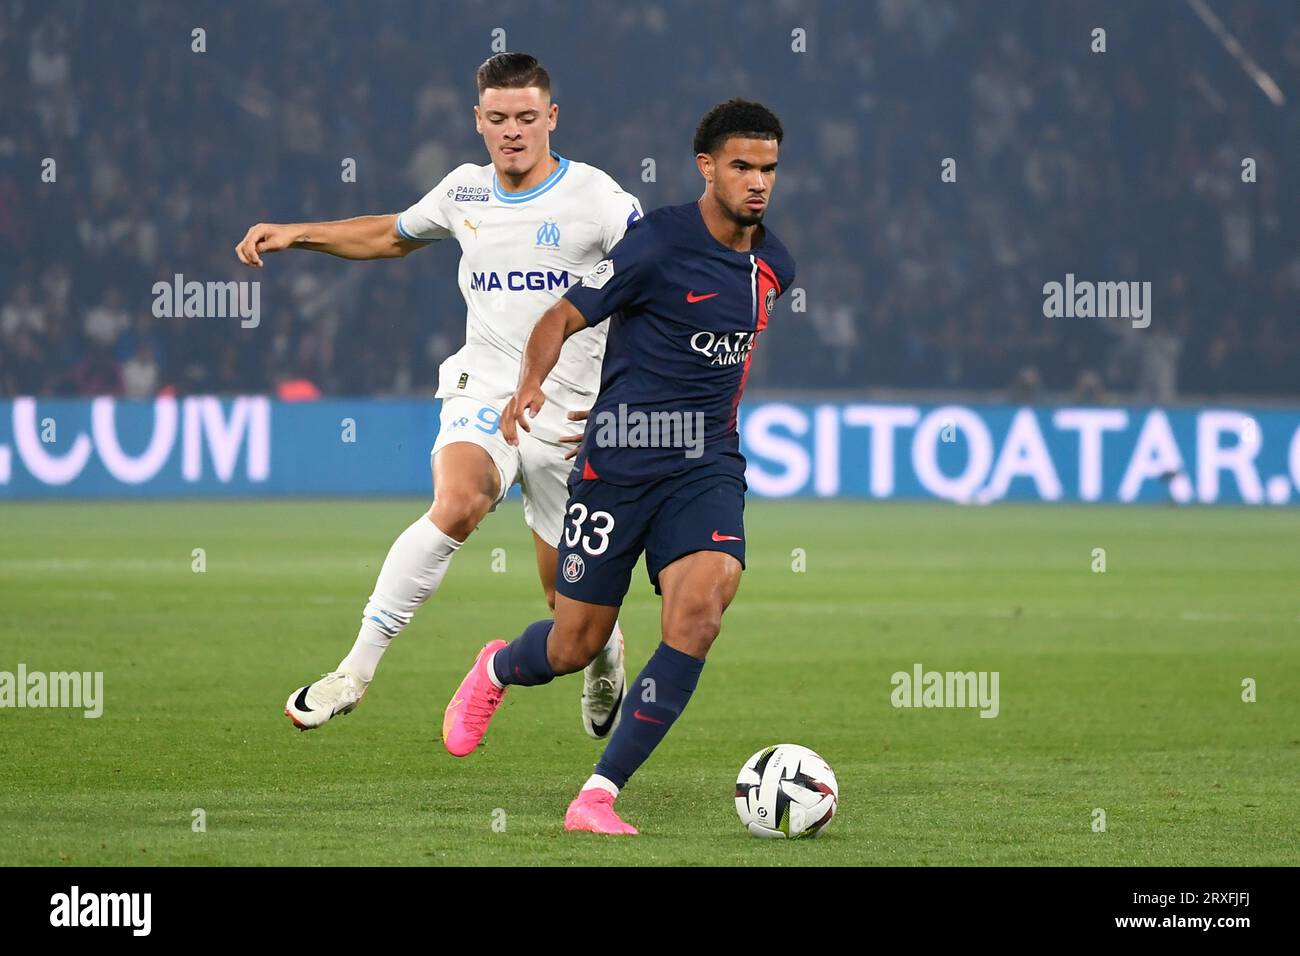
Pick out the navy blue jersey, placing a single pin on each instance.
(686, 313)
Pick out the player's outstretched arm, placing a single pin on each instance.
(540, 355)
(364, 237)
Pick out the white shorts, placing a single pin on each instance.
(539, 467)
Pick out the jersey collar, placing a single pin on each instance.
(544, 186)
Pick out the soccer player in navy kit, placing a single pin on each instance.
(690, 289)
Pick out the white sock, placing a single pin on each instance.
(411, 574)
(492, 672)
(604, 783)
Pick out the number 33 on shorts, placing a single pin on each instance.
(591, 531)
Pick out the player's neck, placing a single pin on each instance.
(534, 177)
(725, 229)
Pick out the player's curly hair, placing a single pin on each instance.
(736, 117)
(512, 71)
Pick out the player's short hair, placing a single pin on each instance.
(736, 117)
(512, 71)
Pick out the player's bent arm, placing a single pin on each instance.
(540, 355)
(362, 237)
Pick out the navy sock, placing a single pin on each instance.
(656, 699)
(523, 661)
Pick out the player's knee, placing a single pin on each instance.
(458, 511)
(571, 651)
(570, 657)
(693, 630)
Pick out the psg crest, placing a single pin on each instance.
(574, 567)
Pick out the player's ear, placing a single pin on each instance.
(704, 163)
(552, 115)
(478, 121)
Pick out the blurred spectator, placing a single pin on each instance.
(1088, 389)
(140, 372)
(21, 315)
(97, 374)
(107, 320)
(1027, 387)
(1158, 372)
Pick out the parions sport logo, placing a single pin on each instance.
(469, 194)
(725, 348)
(537, 280)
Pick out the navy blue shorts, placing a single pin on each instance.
(607, 527)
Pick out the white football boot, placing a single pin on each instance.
(604, 685)
(335, 694)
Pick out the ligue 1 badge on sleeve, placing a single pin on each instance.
(597, 277)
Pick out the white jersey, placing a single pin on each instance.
(520, 252)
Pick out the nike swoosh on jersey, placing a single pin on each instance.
(692, 297)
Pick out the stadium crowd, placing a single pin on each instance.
(1117, 166)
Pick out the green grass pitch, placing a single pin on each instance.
(1119, 691)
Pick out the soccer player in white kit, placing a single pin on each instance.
(530, 224)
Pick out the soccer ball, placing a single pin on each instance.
(786, 791)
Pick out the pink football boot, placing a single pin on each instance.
(466, 718)
(592, 811)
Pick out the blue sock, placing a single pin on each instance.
(654, 700)
(523, 661)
